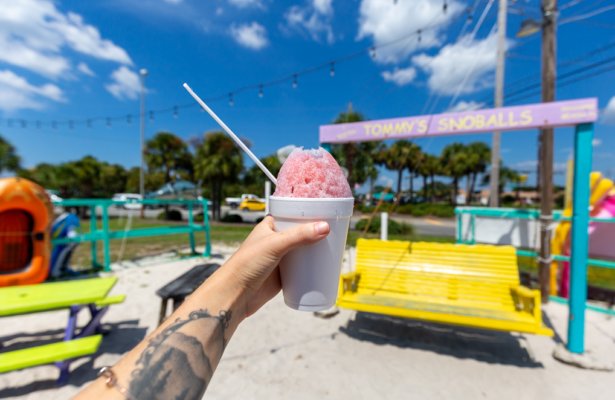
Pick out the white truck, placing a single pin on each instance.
(234, 202)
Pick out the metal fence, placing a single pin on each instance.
(100, 229)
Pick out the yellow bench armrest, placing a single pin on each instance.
(528, 300)
(348, 282)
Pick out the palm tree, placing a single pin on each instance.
(254, 179)
(414, 161)
(357, 158)
(9, 160)
(168, 153)
(478, 158)
(507, 175)
(428, 168)
(217, 161)
(454, 165)
(396, 158)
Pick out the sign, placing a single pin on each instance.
(562, 113)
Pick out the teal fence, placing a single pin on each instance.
(519, 214)
(101, 232)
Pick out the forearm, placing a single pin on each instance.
(178, 359)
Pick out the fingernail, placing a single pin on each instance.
(321, 228)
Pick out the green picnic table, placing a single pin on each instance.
(74, 295)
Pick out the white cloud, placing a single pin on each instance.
(124, 83)
(173, 1)
(400, 77)
(17, 93)
(85, 69)
(460, 68)
(466, 106)
(247, 3)
(608, 114)
(386, 21)
(33, 35)
(313, 19)
(252, 36)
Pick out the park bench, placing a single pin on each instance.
(467, 285)
(75, 295)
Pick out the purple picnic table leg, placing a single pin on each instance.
(93, 326)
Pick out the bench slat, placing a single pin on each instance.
(48, 353)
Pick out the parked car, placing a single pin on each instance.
(132, 199)
(252, 205)
(235, 202)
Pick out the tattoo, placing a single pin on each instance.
(179, 362)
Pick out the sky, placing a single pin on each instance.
(69, 71)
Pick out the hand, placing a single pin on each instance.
(255, 265)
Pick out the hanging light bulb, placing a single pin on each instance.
(295, 82)
(129, 119)
(175, 112)
(332, 70)
(38, 124)
(24, 123)
(260, 91)
(88, 123)
(444, 7)
(71, 125)
(151, 115)
(469, 11)
(372, 52)
(9, 123)
(108, 122)
(419, 35)
(54, 124)
(231, 101)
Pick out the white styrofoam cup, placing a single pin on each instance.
(310, 274)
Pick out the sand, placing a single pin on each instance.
(282, 354)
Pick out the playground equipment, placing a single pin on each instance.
(476, 286)
(579, 113)
(73, 295)
(602, 207)
(25, 215)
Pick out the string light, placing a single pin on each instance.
(38, 124)
(54, 124)
(88, 123)
(175, 112)
(24, 123)
(231, 102)
(108, 122)
(444, 7)
(151, 115)
(71, 124)
(332, 70)
(9, 123)
(295, 82)
(129, 119)
(260, 91)
(419, 35)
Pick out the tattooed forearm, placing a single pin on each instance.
(179, 362)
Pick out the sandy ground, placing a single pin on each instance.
(281, 354)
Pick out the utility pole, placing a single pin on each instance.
(549, 10)
(494, 192)
(142, 75)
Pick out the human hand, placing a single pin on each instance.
(254, 266)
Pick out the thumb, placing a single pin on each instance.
(303, 234)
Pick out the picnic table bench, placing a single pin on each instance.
(75, 295)
(468, 285)
(178, 289)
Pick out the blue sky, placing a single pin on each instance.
(69, 60)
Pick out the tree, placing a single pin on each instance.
(9, 160)
(414, 156)
(507, 176)
(168, 153)
(454, 164)
(428, 168)
(396, 158)
(357, 158)
(478, 158)
(217, 160)
(254, 179)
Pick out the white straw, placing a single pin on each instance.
(232, 135)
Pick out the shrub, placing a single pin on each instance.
(395, 228)
(424, 209)
(170, 215)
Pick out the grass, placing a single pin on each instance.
(235, 233)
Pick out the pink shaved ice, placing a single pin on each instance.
(313, 174)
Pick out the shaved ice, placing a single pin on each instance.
(312, 174)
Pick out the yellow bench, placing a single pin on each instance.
(468, 285)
